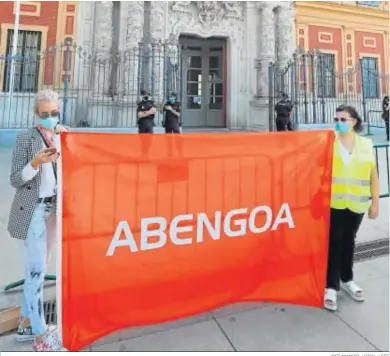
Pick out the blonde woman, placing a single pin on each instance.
(33, 217)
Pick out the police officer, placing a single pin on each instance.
(283, 110)
(385, 114)
(171, 112)
(146, 111)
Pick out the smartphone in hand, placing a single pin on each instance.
(50, 151)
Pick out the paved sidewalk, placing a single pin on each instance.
(268, 327)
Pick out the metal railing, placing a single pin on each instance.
(98, 89)
(374, 120)
(316, 87)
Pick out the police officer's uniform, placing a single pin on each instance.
(171, 122)
(283, 112)
(145, 124)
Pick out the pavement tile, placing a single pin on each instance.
(135, 332)
(371, 318)
(142, 331)
(290, 328)
(371, 231)
(371, 269)
(236, 309)
(204, 336)
(382, 264)
(109, 339)
(9, 343)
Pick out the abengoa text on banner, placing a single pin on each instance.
(156, 228)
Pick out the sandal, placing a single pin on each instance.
(353, 290)
(330, 299)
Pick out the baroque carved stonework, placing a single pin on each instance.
(135, 23)
(210, 12)
(104, 29)
(285, 29)
(103, 38)
(204, 17)
(134, 11)
(157, 23)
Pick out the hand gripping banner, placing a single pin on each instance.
(161, 227)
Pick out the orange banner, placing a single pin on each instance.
(156, 228)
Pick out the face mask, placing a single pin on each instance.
(171, 100)
(50, 123)
(342, 127)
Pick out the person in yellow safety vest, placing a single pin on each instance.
(354, 182)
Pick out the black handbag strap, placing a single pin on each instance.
(48, 146)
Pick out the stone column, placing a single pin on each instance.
(103, 43)
(266, 48)
(248, 58)
(252, 34)
(132, 57)
(159, 49)
(85, 38)
(260, 105)
(285, 32)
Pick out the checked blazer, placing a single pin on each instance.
(28, 144)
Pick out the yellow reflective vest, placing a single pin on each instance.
(351, 183)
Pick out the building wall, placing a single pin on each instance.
(54, 20)
(350, 31)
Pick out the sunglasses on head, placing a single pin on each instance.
(46, 115)
(342, 119)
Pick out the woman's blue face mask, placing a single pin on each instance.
(342, 125)
(171, 100)
(50, 123)
(49, 120)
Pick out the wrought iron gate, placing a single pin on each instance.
(98, 89)
(316, 86)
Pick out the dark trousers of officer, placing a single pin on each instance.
(174, 130)
(283, 123)
(172, 126)
(387, 129)
(145, 126)
(344, 225)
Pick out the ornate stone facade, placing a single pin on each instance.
(158, 37)
(103, 43)
(285, 29)
(134, 11)
(135, 23)
(207, 18)
(267, 45)
(256, 33)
